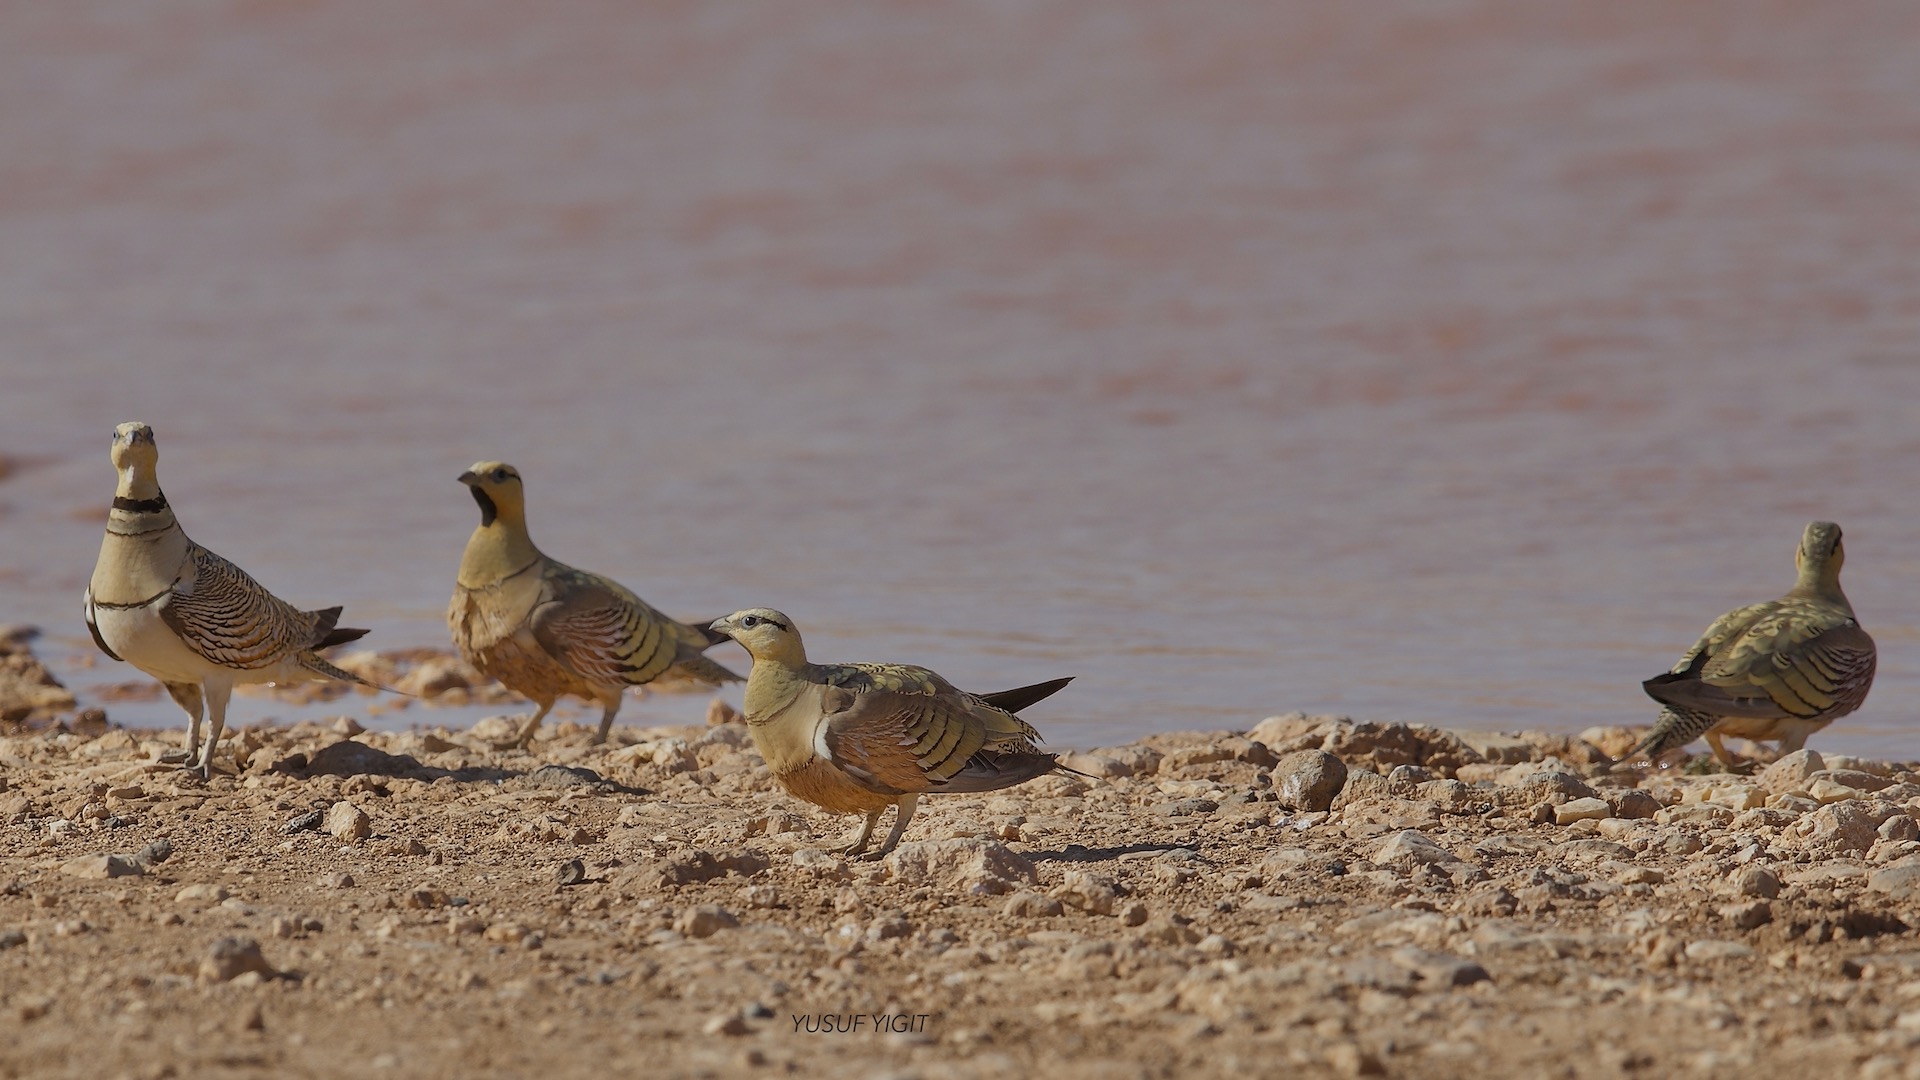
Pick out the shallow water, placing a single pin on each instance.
(1447, 362)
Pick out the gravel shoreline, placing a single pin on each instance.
(1314, 896)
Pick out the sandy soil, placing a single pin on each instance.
(422, 904)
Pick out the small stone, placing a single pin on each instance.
(1308, 780)
(32, 1007)
(719, 712)
(1588, 809)
(1439, 969)
(510, 933)
(1133, 914)
(1748, 914)
(562, 776)
(1348, 1059)
(200, 894)
(339, 880)
(1092, 893)
(760, 896)
(306, 822)
(1029, 904)
(726, 1024)
(1709, 950)
(424, 898)
(348, 822)
(1755, 881)
(232, 957)
(1541, 814)
(704, 920)
(889, 925)
(1409, 848)
(571, 872)
(1632, 803)
(1791, 772)
(458, 924)
(1901, 880)
(348, 726)
(101, 867)
(154, 854)
(1898, 828)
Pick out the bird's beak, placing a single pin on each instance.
(722, 626)
(468, 478)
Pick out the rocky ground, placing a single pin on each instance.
(1314, 897)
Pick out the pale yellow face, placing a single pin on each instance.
(133, 446)
(496, 487)
(763, 632)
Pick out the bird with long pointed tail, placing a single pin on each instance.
(858, 738)
(545, 629)
(188, 617)
(1779, 670)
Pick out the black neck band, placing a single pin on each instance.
(140, 506)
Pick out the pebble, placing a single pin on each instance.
(338, 880)
(1409, 848)
(1709, 950)
(346, 821)
(1748, 914)
(1755, 881)
(1029, 904)
(231, 957)
(1308, 780)
(101, 867)
(306, 822)
(200, 894)
(704, 920)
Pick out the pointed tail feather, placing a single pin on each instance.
(319, 666)
(340, 636)
(1015, 700)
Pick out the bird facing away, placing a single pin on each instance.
(544, 629)
(1779, 670)
(858, 738)
(188, 617)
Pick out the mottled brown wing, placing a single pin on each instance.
(1806, 670)
(600, 631)
(230, 619)
(1795, 661)
(897, 742)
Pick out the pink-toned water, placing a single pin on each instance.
(1443, 361)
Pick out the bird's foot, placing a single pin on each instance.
(176, 757)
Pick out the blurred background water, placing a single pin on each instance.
(1446, 361)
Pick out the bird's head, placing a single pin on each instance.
(765, 633)
(133, 446)
(496, 487)
(1820, 552)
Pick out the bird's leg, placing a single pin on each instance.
(903, 813)
(533, 725)
(610, 706)
(188, 697)
(1720, 750)
(217, 690)
(866, 833)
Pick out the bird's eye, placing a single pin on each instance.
(750, 621)
(499, 475)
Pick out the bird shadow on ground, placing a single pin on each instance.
(1078, 853)
(349, 758)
